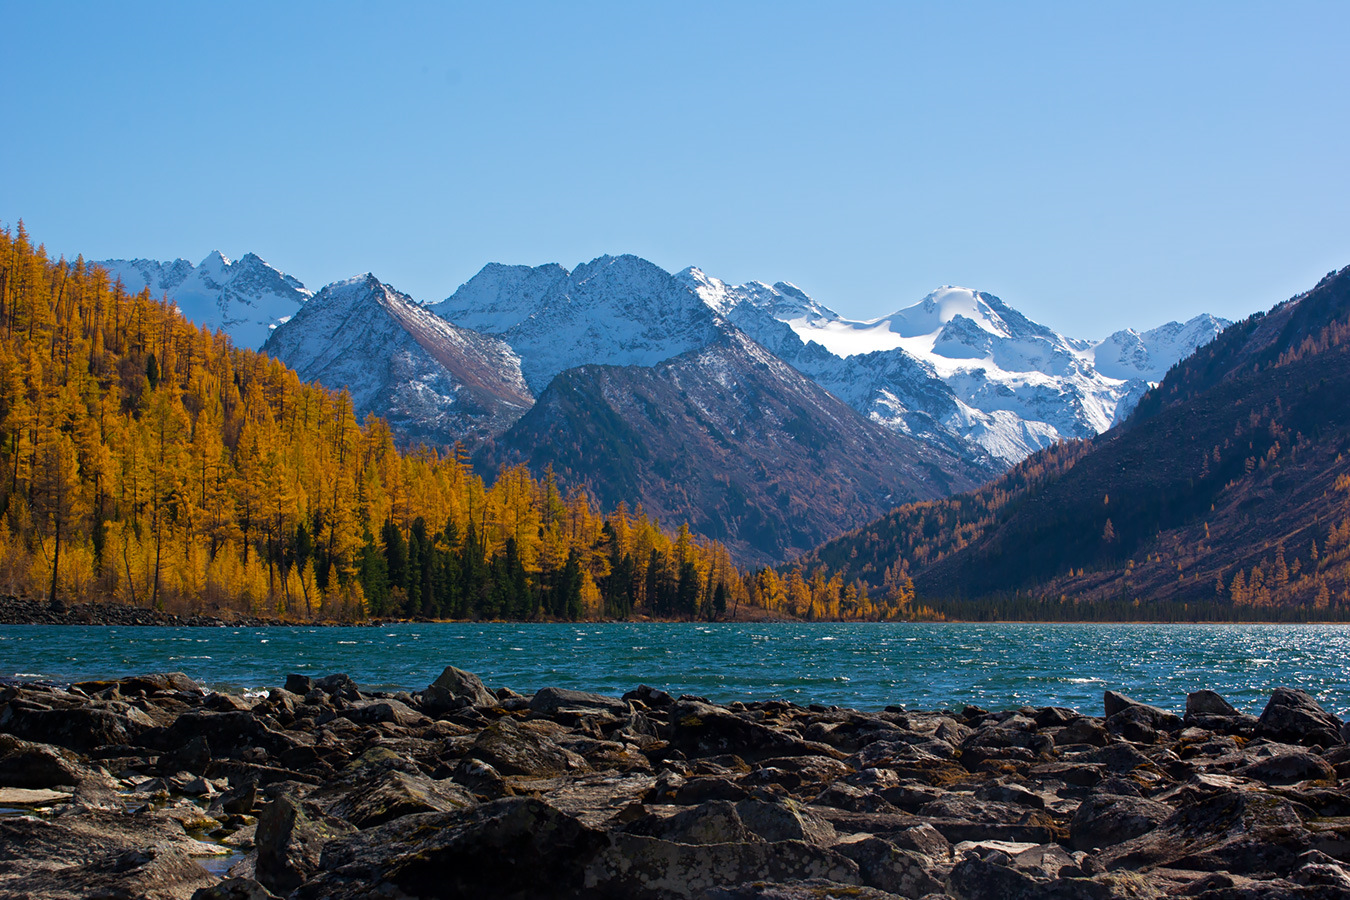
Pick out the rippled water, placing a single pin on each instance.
(867, 666)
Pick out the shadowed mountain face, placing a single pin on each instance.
(1233, 469)
(732, 440)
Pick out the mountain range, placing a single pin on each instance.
(1226, 489)
(754, 412)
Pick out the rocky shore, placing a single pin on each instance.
(27, 611)
(154, 787)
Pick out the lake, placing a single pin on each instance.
(866, 666)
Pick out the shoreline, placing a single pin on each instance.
(26, 611)
(324, 789)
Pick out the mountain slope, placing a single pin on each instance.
(1228, 485)
(432, 380)
(246, 298)
(614, 310)
(732, 440)
(960, 366)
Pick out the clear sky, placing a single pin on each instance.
(1097, 165)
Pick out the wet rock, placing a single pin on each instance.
(338, 685)
(290, 838)
(1293, 716)
(1104, 819)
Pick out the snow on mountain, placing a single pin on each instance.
(1129, 354)
(432, 380)
(500, 296)
(246, 298)
(615, 310)
(960, 365)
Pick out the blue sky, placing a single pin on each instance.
(1097, 165)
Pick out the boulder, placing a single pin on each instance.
(370, 712)
(456, 688)
(700, 729)
(1294, 717)
(785, 820)
(513, 750)
(1208, 703)
(645, 868)
(1104, 819)
(714, 822)
(512, 849)
(234, 889)
(885, 866)
(394, 794)
(1290, 768)
(24, 764)
(549, 701)
(81, 728)
(290, 839)
(1126, 715)
(1238, 831)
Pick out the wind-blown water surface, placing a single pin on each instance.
(866, 666)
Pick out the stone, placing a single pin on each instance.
(1105, 819)
(299, 684)
(647, 868)
(714, 822)
(1290, 768)
(234, 889)
(785, 820)
(25, 764)
(883, 865)
(701, 729)
(1238, 831)
(518, 847)
(512, 750)
(549, 701)
(391, 711)
(79, 728)
(454, 688)
(290, 839)
(394, 794)
(1208, 703)
(1294, 717)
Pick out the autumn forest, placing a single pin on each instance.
(149, 462)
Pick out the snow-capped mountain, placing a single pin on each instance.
(432, 380)
(615, 310)
(732, 440)
(960, 365)
(246, 298)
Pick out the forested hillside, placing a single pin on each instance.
(1225, 495)
(149, 462)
